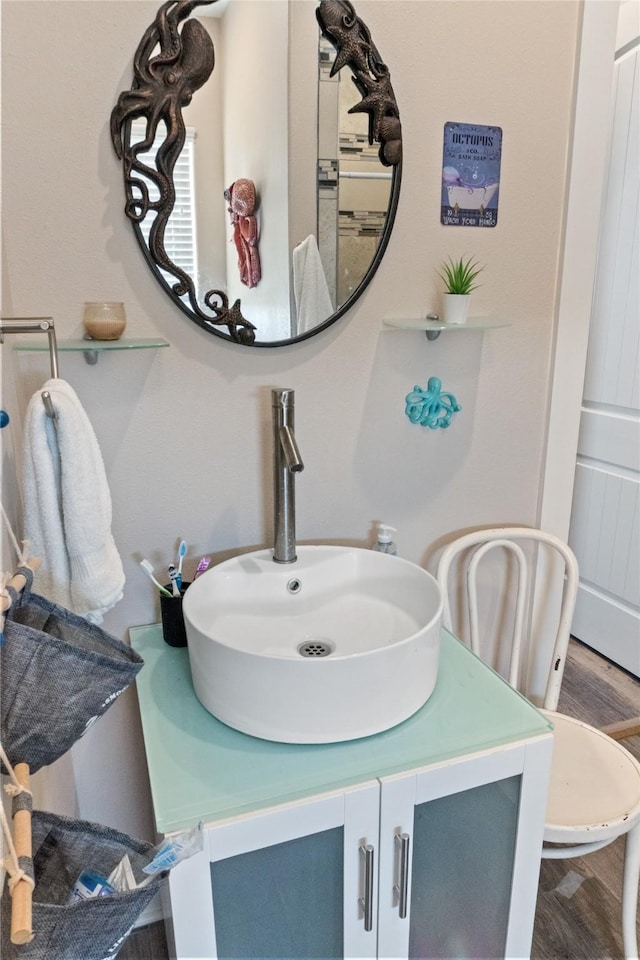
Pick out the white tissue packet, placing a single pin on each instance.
(121, 877)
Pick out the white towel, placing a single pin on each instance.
(67, 506)
(312, 297)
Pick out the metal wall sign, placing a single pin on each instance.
(470, 175)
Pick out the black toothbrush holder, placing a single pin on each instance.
(173, 629)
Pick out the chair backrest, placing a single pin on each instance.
(477, 545)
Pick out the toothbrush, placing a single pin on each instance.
(182, 549)
(202, 566)
(173, 576)
(148, 569)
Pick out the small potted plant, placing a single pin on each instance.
(459, 279)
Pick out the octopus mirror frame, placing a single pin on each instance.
(170, 65)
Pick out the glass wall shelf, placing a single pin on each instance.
(91, 348)
(433, 326)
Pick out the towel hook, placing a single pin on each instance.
(37, 325)
(48, 404)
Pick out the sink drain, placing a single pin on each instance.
(315, 648)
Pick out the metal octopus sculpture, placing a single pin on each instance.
(241, 197)
(355, 48)
(163, 84)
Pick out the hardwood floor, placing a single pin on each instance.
(596, 690)
(146, 943)
(578, 913)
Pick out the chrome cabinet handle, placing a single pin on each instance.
(401, 889)
(366, 902)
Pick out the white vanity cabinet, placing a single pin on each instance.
(459, 855)
(422, 842)
(285, 882)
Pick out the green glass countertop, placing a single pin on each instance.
(201, 769)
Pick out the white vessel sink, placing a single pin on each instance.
(343, 643)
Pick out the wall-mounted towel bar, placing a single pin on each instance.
(36, 325)
(362, 175)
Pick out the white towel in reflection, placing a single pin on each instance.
(67, 506)
(313, 301)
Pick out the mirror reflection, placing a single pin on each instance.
(262, 197)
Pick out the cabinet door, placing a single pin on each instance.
(459, 856)
(290, 882)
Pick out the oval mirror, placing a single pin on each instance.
(262, 195)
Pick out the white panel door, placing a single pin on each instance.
(605, 521)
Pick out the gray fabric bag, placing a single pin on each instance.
(58, 674)
(92, 929)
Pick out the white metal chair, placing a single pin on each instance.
(594, 795)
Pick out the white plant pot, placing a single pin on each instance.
(455, 307)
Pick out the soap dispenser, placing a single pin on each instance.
(385, 542)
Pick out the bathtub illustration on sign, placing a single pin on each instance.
(463, 197)
(468, 194)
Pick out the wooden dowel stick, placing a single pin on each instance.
(18, 582)
(21, 900)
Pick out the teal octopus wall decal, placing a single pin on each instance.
(431, 407)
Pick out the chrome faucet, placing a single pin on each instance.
(286, 463)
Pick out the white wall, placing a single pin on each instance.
(185, 430)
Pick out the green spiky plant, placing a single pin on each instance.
(460, 275)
